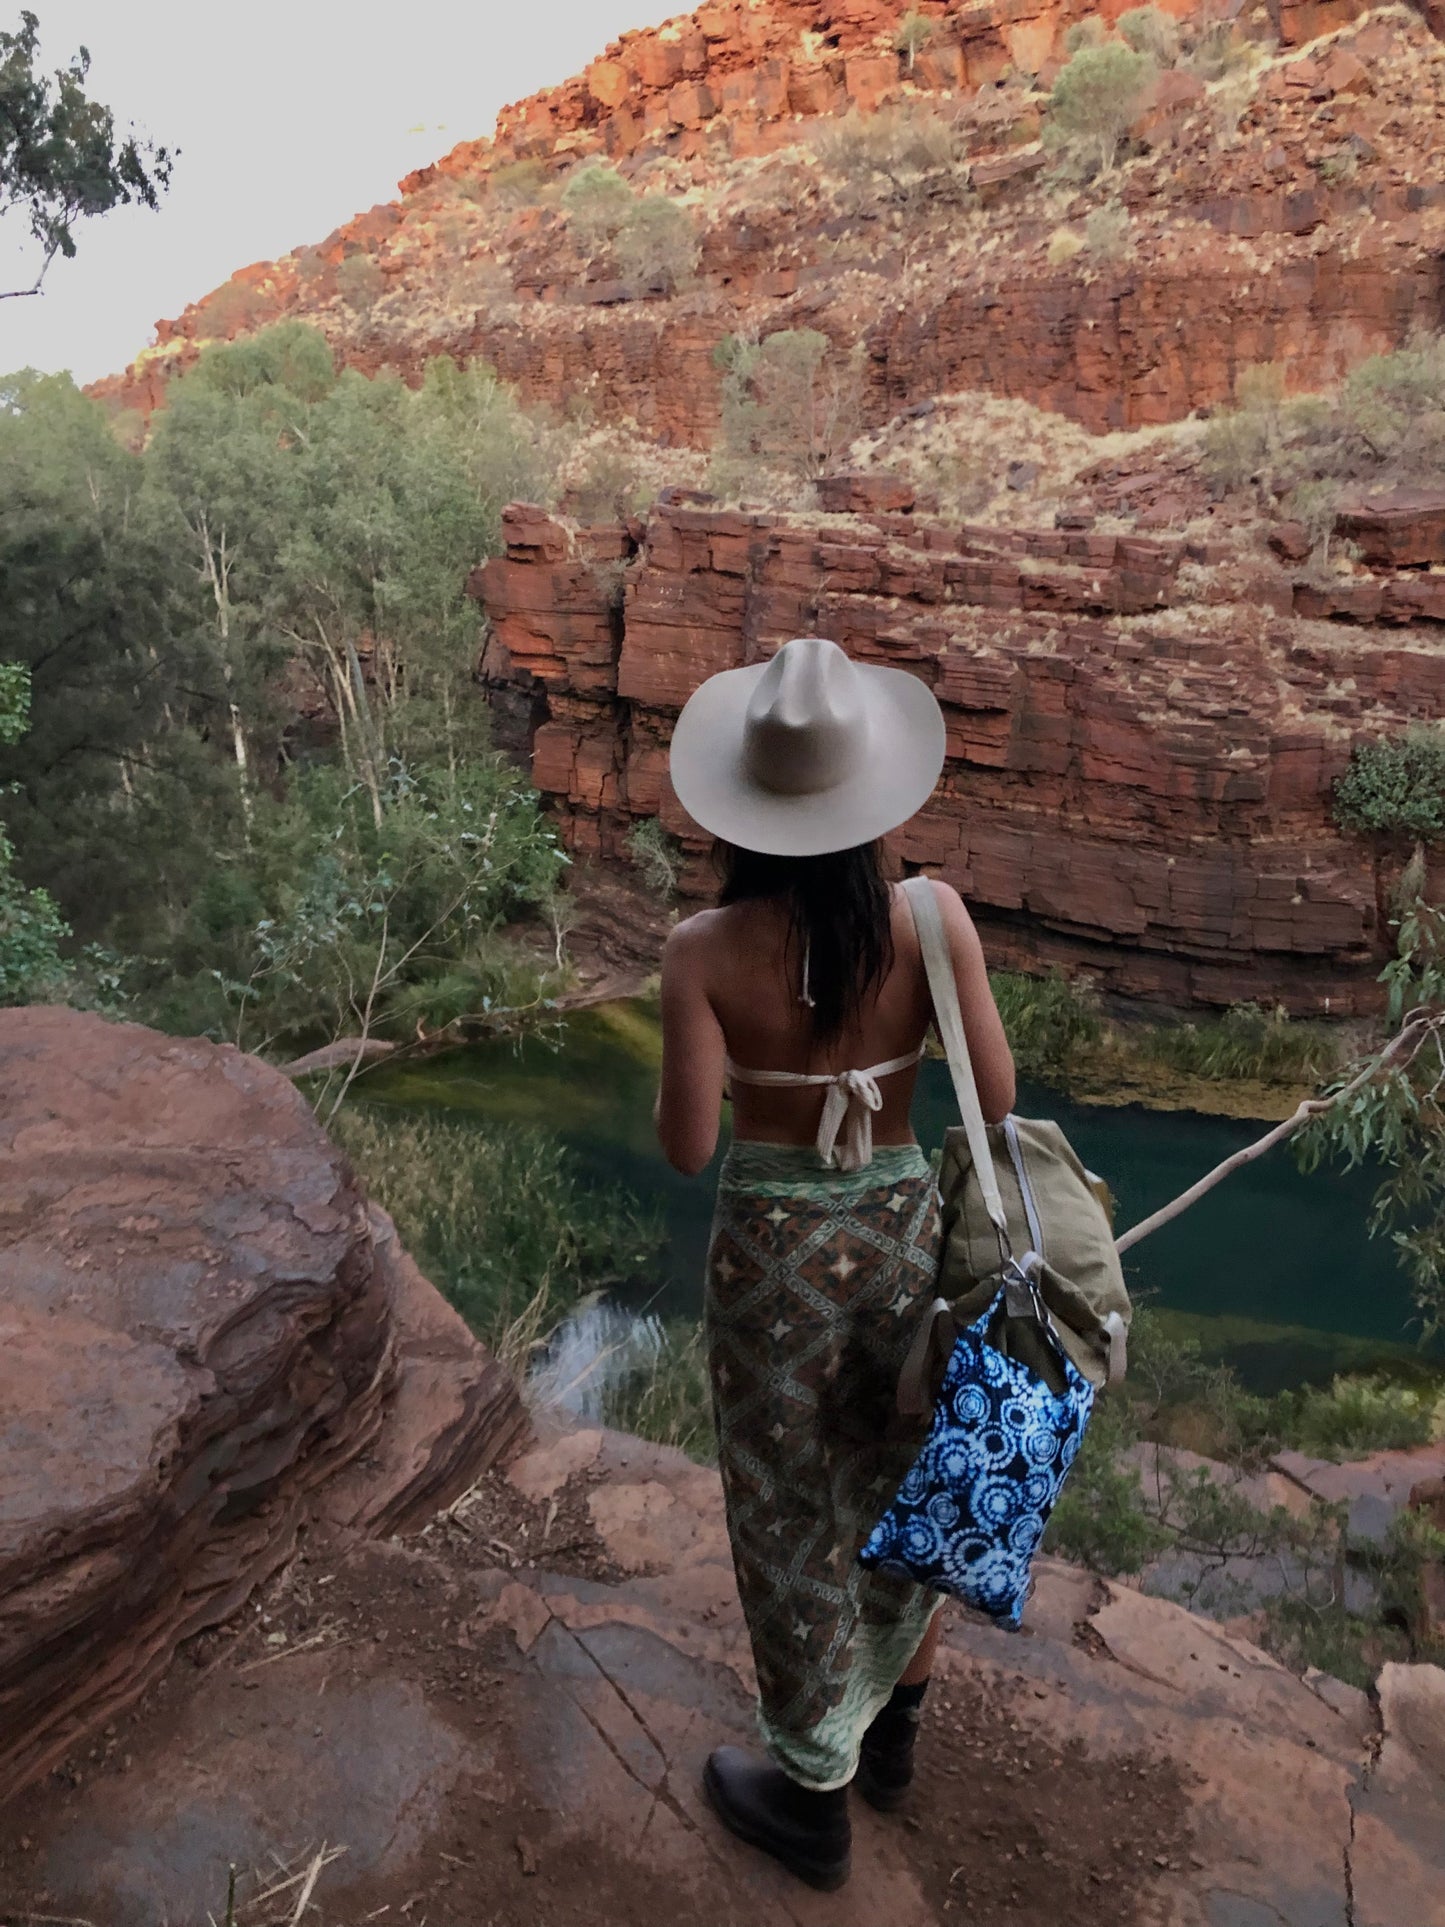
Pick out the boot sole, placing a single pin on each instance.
(826, 1875)
(880, 1796)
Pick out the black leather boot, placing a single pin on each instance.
(885, 1763)
(808, 1831)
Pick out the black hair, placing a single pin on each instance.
(839, 919)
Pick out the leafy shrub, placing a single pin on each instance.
(1088, 32)
(788, 400)
(1048, 1021)
(1114, 1520)
(1355, 1416)
(1151, 31)
(359, 282)
(1106, 231)
(31, 926)
(915, 30)
(1315, 505)
(311, 266)
(655, 855)
(500, 1220)
(1396, 787)
(597, 202)
(1096, 99)
(1385, 424)
(903, 155)
(1065, 245)
(233, 309)
(471, 187)
(608, 485)
(32, 930)
(657, 248)
(1393, 1115)
(1219, 51)
(1248, 1041)
(520, 183)
(1101, 1519)
(14, 702)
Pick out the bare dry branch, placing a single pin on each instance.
(1395, 1056)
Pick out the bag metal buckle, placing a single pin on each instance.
(1021, 1288)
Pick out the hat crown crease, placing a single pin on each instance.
(806, 728)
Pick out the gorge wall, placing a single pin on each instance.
(1310, 235)
(1147, 708)
(1143, 732)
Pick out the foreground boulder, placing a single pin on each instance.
(207, 1342)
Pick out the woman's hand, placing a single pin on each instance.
(693, 1053)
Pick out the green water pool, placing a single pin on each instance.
(1273, 1271)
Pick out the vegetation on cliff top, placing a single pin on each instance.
(1383, 426)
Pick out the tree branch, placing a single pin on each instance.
(1396, 1055)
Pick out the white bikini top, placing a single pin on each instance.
(853, 1097)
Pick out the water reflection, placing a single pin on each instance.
(1274, 1271)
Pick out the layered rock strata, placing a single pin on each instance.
(202, 1326)
(1306, 231)
(1138, 779)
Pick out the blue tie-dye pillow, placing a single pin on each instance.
(969, 1516)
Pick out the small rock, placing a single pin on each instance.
(1021, 475)
(1346, 75)
(527, 1854)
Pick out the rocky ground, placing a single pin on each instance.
(504, 1721)
(228, 1391)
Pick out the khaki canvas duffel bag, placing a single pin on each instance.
(1018, 1208)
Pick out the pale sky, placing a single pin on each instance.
(291, 116)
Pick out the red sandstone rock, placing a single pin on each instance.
(870, 79)
(1345, 74)
(1154, 806)
(1301, 21)
(200, 1328)
(1401, 530)
(736, 77)
(1291, 541)
(865, 493)
(1173, 94)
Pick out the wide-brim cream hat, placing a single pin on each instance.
(807, 753)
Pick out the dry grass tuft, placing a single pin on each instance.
(281, 1895)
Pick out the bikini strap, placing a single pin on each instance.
(853, 1097)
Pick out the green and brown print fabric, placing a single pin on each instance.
(816, 1279)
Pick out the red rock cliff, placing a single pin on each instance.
(1311, 236)
(1138, 780)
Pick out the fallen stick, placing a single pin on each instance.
(1397, 1053)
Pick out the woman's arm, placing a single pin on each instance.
(993, 1064)
(690, 1097)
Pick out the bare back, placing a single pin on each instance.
(728, 992)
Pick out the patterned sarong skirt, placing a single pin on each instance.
(815, 1281)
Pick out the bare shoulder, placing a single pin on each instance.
(693, 937)
(951, 905)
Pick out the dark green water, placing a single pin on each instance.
(1273, 1271)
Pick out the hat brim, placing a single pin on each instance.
(906, 746)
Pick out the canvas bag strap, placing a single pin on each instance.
(943, 988)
